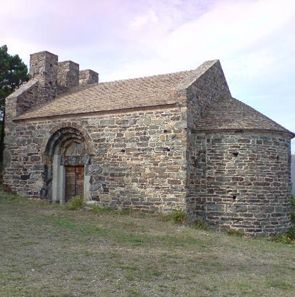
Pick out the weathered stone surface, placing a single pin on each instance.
(124, 170)
(154, 144)
(241, 180)
(67, 76)
(87, 77)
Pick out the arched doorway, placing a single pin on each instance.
(67, 157)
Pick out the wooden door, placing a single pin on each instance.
(74, 184)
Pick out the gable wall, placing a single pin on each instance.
(139, 157)
(209, 88)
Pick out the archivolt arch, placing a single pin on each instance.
(67, 146)
(59, 136)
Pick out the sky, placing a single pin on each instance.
(253, 39)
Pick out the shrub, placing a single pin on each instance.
(287, 237)
(235, 232)
(75, 203)
(291, 233)
(178, 216)
(97, 209)
(200, 224)
(282, 238)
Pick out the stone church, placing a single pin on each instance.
(157, 143)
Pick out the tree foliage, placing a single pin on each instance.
(13, 72)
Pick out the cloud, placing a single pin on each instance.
(230, 30)
(254, 39)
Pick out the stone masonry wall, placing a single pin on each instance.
(139, 160)
(154, 158)
(241, 180)
(43, 67)
(208, 88)
(17, 103)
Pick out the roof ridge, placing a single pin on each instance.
(141, 78)
(202, 69)
(206, 63)
(81, 88)
(148, 76)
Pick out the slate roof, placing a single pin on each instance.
(152, 91)
(122, 94)
(230, 113)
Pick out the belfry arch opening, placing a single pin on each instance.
(67, 156)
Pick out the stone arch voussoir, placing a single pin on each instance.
(61, 133)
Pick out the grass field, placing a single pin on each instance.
(47, 250)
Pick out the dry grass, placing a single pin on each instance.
(47, 250)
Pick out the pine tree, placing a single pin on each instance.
(13, 72)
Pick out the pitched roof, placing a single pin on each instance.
(122, 94)
(158, 90)
(230, 113)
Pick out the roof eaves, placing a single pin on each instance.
(282, 129)
(27, 117)
(218, 130)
